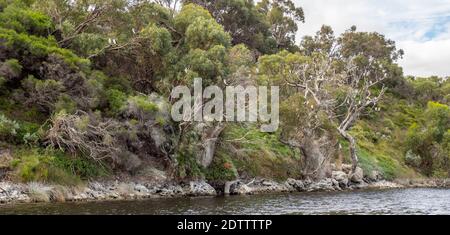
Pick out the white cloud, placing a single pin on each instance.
(421, 28)
(426, 58)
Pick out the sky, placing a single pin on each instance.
(420, 27)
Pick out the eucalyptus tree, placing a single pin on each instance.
(284, 18)
(338, 84)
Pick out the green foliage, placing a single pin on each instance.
(244, 152)
(37, 48)
(143, 104)
(283, 17)
(428, 139)
(53, 166)
(10, 70)
(116, 100)
(187, 163)
(81, 167)
(87, 44)
(8, 128)
(149, 12)
(244, 21)
(208, 65)
(43, 93)
(18, 132)
(36, 165)
(369, 45)
(323, 41)
(389, 167)
(240, 56)
(136, 48)
(253, 153)
(276, 69)
(222, 169)
(2, 82)
(23, 20)
(188, 14)
(14, 65)
(65, 103)
(429, 89)
(158, 40)
(32, 167)
(205, 34)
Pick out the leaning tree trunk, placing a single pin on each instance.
(315, 163)
(209, 139)
(352, 142)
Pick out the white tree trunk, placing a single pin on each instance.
(209, 141)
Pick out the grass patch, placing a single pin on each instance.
(381, 139)
(51, 166)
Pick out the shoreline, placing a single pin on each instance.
(18, 193)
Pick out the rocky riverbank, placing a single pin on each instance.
(100, 191)
(115, 190)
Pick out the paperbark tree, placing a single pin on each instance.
(334, 89)
(359, 83)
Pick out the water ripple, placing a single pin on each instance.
(398, 201)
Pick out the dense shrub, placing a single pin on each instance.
(429, 139)
(42, 93)
(9, 70)
(8, 129)
(116, 100)
(23, 20)
(141, 108)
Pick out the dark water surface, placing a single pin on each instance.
(397, 201)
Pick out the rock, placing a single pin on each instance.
(227, 187)
(141, 189)
(347, 168)
(239, 188)
(296, 184)
(336, 185)
(357, 176)
(168, 190)
(269, 186)
(341, 177)
(201, 188)
(131, 162)
(385, 185)
(268, 183)
(445, 183)
(96, 186)
(374, 176)
(322, 185)
(361, 185)
(334, 167)
(279, 187)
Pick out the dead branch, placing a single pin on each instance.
(91, 18)
(77, 133)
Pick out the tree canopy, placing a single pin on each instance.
(89, 81)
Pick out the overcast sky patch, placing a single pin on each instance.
(421, 28)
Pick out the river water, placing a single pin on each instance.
(396, 201)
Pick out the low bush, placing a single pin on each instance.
(8, 129)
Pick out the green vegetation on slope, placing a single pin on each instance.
(84, 87)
